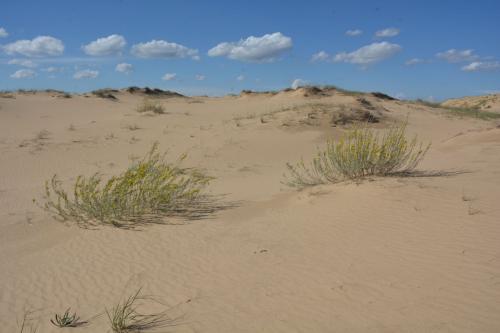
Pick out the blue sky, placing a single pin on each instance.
(410, 49)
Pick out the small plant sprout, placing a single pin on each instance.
(67, 320)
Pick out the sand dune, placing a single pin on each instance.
(415, 254)
(485, 103)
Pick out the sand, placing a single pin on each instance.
(490, 103)
(414, 254)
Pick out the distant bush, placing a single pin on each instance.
(149, 105)
(147, 191)
(359, 153)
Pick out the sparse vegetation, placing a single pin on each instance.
(105, 93)
(132, 127)
(125, 318)
(67, 320)
(149, 190)
(472, 112)
(149, 105)
(360, 153)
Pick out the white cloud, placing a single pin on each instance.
(369, 54)
(105, 46)
(23, 74)
(297, 83)
(169, 76)
(487, 66)
(455, 56)
(320, 56)
(414, 61)
(86, 74)
(388, 32)
(124, 68)
(354, 32)
(254, 49)
(163, 49)
(3, 33)
(23, 62)
(52, 69)
(37, 47)
(200, 77)
(240, 77)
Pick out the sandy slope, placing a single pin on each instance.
(386, 255)
(486, 103)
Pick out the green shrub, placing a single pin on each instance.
(359, 153)
(146, 192)
(149, 105)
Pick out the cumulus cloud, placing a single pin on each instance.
(455, 56)
(86, 74)
(388, 32)
(169, 76)
(369, 54)
(105, 46)
(298, 83)
(124, 68)
(23, 74)
(22, 62)
(52, 69)
(163, 49)
(320, 56)
(354, 32)
(414, 61)
(254, 49)
(37, 47)
(487, 66)
(240, 77)
(3, 33)
(200, 77)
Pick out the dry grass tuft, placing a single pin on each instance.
(125, 317)
(149, 105)
(360, 153)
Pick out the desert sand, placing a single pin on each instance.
(489, 102)
(398, 254)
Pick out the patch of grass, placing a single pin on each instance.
(359, 153)
(67, 320)
(472, 112)
(125, 318)
(149, 105)
(149, 190)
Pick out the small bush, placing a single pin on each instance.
(125, 318)
(149, 105)
(359, 153)
(147, 191)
